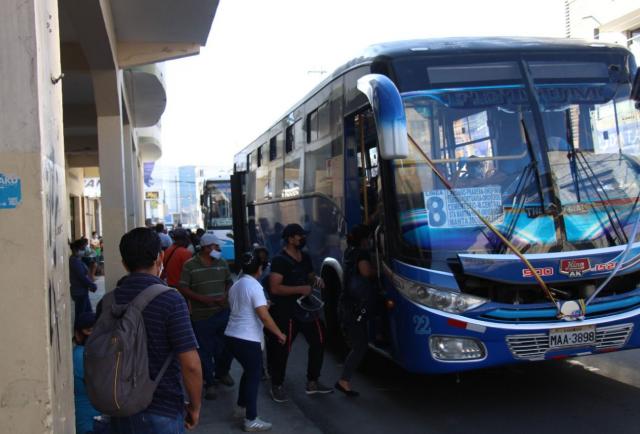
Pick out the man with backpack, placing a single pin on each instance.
(143, 349)
(291, 285)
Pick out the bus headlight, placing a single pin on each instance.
(450, 348)
(448, 301)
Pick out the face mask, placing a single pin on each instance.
(160, 269)
(215, 254)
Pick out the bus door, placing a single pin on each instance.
(364, 142)
(240, 232)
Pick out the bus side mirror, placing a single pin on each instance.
(635, 89)
(388, 111)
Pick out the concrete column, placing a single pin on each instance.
(106, 86)
(36, 383)
(131, 189)
(140, 183)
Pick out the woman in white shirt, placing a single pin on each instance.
(249, 314)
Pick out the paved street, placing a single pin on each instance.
(595, 394)
(588, 395)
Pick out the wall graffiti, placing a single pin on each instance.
(59, 330)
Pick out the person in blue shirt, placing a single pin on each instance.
(79, 278)
(84, 410)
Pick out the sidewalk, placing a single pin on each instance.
(216, 416)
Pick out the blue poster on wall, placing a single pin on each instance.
(10, 191)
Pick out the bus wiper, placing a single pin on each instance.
(519, 200)
(602, 197)
(491, 227)
(534, 162)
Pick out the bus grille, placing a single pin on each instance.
(535, 346)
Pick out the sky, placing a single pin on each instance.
(263, 56)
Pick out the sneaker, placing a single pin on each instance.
(239, 412)
(256, 425)
(278, 394)
(226, 380)
(210, 393)
(314, 387)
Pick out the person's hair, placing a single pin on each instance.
(261, 249)
(358, 233)
(200, 231)
(139, 248)
(159, 227)
(250, 263)
(78, 244)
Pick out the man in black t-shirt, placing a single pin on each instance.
(292, 277)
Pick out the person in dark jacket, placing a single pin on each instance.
(356, 302)
(79, 278)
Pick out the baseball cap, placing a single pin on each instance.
(292, 230)
(208, 239)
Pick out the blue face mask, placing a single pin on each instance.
(215, 254)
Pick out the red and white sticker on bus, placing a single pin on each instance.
(543, 272)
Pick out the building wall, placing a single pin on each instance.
(36, 383)
(591, 19)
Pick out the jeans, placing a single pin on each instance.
(249, 354)
(147, 423)
(210, 335)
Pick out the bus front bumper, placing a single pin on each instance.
(433, 341)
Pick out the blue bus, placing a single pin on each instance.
(215, 201)
(501, 178)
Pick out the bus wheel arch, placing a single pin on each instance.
(331, 273)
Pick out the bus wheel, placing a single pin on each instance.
(331, 295)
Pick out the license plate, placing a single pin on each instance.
(572, 337)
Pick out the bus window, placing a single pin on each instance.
(292, 162)
(263, 189)
(323, 121)
(289, 140)
(276, 170)
(312, 126)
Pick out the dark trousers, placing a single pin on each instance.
(356, 333)
(82, 303)
(249, 355)
(211, 342)
(277, 354)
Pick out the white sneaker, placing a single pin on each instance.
(239, 412)
(256, 425)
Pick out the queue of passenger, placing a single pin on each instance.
(196, 321)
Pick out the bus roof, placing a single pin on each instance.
(444, 46)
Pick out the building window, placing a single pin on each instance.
(259, 155)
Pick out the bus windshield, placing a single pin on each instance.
(217, 205)
(551, 163)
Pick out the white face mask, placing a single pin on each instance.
(215, 254)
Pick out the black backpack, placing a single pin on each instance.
(116, 363)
